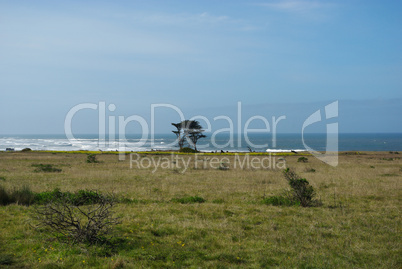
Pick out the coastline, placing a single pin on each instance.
(216, 153)
(166, 142)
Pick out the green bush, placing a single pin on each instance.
(3, 178)
(91, 158)
(26, 150)
(81, 197)
(86, 197)
(48, 168)
(47, 196)
(302, 160)
(189, 200)
(188, 150)
(302, 191)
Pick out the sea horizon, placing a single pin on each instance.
(259, 142)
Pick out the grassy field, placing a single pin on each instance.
(357, 226)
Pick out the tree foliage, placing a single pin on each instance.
(188, 131)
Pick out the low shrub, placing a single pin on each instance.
(48, 168)
(3, 178)
(85, 197)
(302, 191)
(81, 197)
(84, 223)
(26, 150)
(91, 158)
(47, 196)
(302, 160)
(189, 200)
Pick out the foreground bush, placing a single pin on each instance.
(84, 223)
(301, 189)
(301, 193)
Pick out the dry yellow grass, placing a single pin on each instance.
(358, 225)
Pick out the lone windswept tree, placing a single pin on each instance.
(194, 136)
(180, 133)
(189, 131)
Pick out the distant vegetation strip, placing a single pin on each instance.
(180, 153)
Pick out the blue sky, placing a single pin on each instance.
(276, 57)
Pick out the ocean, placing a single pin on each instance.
(255, 142)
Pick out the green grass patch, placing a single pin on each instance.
(279, 200)
(48, 168)
(6, 259)
(189, 200)
(23, 196)
(81, 197)
(235, 228)
(389, 175)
